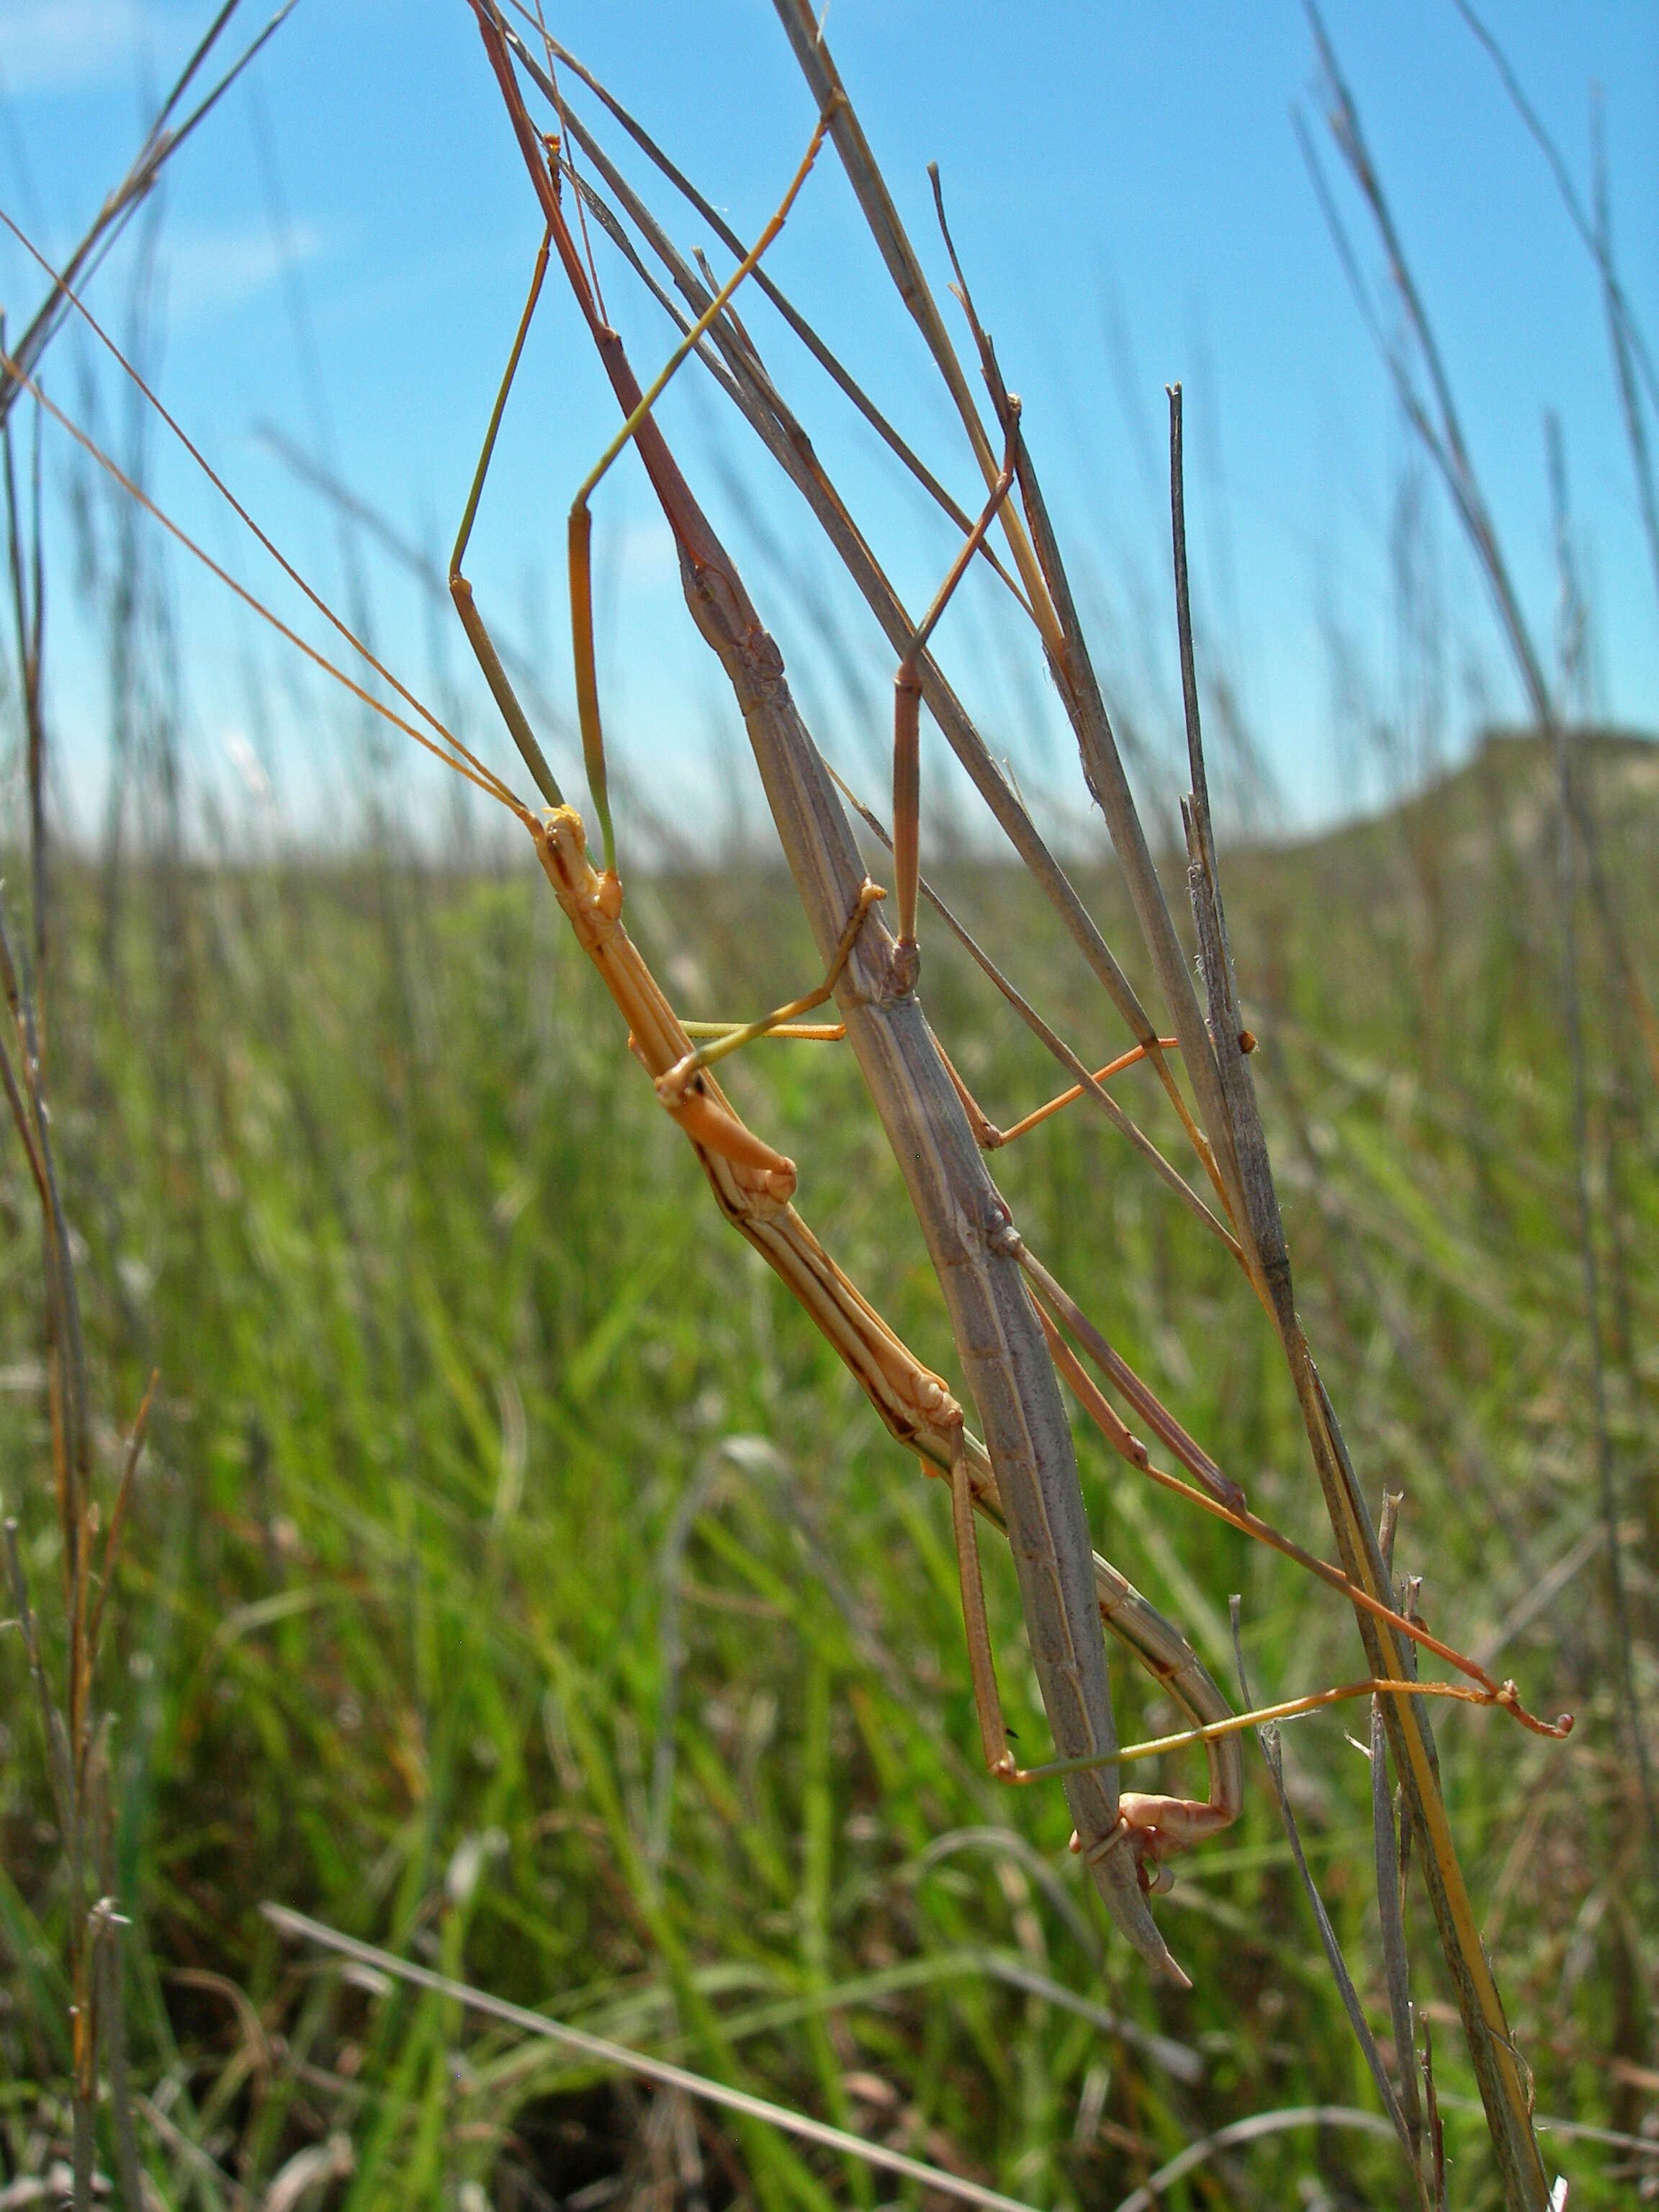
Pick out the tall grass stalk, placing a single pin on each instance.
(1434, 418)
(76, 1736)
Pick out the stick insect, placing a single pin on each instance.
(1025, 1481)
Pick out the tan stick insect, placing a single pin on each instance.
(752, 1184)
(918, 1104)
(1066, 1588)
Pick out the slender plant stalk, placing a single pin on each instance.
(162, 141)
(1568, 810)
(76, 1742)
(1633, 362)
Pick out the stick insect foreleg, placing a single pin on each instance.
(593, 902)
(678, 1086)
(461, 591)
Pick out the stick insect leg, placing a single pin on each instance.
(581, 597)
(671, 1088)
(989, 1137)
(981, 1664)
(907, 725)
(461, 591)
(1152, 1828)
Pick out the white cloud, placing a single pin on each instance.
(60, 46)
(210, 272)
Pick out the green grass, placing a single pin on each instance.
(483, 1445)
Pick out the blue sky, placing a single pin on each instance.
(344, 252)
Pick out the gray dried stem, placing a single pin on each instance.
(162, 141)
(1235, 1152)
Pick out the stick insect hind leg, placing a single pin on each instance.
(1152, 1828)
(907, 725)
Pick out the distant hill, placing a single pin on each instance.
(1451, 893)
(1504, 801)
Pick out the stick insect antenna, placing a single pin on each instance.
(464, 762)
(460, 756)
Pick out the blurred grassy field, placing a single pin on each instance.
(516, 1580)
